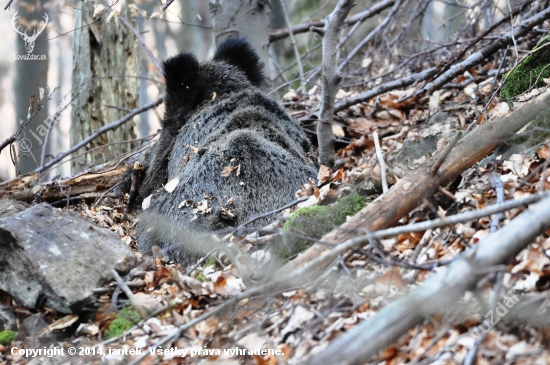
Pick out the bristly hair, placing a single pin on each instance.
(181, 74)
(238, 52)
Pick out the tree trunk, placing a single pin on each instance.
(243, 18)
(30, 75)
(104, 55)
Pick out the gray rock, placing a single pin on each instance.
(8, 320)
(424, 143)
(9, 207)
(55, 258)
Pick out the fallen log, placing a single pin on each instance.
(440, 290)
(410, 192)
(89, 185)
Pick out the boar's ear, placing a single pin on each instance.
(238, 52)
(182, 77)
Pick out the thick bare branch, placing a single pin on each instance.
(442, 289)
(388, 86)
(410, 191)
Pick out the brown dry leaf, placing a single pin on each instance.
(228, 170)
(393, 277)
(105, 315)
(161, 273)
(291, 96)
(227, 283)
(323, 175)
(338, 131)
(300, 317)
(518, 164)
(360, 126)
(397, 114)
(147, 301)
(384, 115)
(338, 174)
(544, 152)
(536, 262)
(60, 324)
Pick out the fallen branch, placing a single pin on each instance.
(445, 288)
(478, 57)
(84, 186)
(388, 86)
(420, 184)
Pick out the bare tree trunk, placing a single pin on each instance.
(30, 75)
(330, 78)
(105, 55)
(243, 18)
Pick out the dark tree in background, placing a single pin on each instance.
(29, 76)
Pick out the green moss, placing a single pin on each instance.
(124, 320)
(314, 222)
(201, 277)
(211, 261)
(6, 337)
(529, 73)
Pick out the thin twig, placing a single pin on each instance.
(381, 163)
(7, 142)
(100, 131)
(50, 126)
(357, 18)
(478, 57)
(380, 27)
(142, 312)
(166, 5)
(142, 41)
(294, 45)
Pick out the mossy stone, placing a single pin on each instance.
(124, 320)
(314, 222)
(530, 73)
(6, 337)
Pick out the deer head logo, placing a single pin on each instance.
(29, 40)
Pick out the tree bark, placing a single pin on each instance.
(330, 78)
(105, 53)
(85, 186)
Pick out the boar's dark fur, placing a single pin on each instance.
(217, 117)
